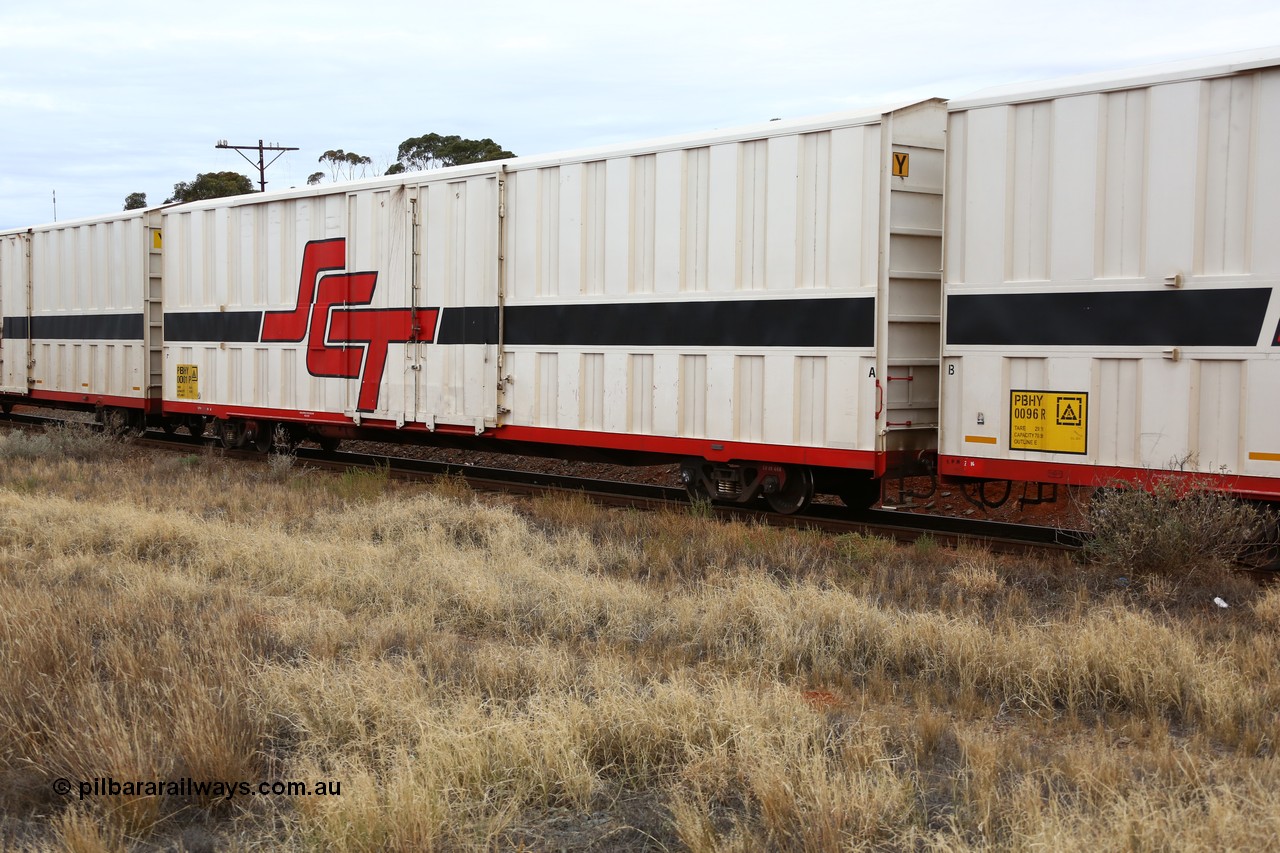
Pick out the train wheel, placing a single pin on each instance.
(169, 426)
(796, 491)
(115, 422)
(285, 439)
(195, 425)
(862, 493)
(1262, 551)
(690, 474)
(232, 434)
(328, 443)
(697, 494)
(258, 434)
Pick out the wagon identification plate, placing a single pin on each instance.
(1049, 421)
(188, 382)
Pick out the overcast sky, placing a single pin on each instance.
(101, 99)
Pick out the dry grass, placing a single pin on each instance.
(552, 675)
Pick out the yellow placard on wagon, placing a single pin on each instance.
(1049, 421)
(188, 382)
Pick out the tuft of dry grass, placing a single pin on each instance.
(70, 441)
(547, 674)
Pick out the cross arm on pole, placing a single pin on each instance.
(261, 148)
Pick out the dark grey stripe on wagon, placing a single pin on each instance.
(1229, 317)
(240, 327)
(742, 323)
(468, 326)
(76, 327)
(841, 322)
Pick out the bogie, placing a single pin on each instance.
(786, 489)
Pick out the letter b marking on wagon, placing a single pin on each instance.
(345, 342)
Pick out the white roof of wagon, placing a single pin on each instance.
(1221, 65)
(759, 130)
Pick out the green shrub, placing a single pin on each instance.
(1170, 529)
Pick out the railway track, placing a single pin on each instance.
(834, 518)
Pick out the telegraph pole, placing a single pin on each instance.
(262, 164)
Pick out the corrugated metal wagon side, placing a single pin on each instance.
(81, 307)
(1111, 276)
(15, 304)
(763, 305)
(360, 306)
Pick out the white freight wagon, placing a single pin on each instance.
(1111, 269)
(81, 303)
(762, 303)
(774, 306)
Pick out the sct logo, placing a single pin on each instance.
(345, 342)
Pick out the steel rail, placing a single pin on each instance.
(901, 527)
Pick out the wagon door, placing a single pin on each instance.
(15, 307)
(371, 331)
(456, 274)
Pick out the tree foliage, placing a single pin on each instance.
(210, 185)
(135, 201)
(434, 151)
(342, 164)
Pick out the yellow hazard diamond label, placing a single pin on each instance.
(1049, 421)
